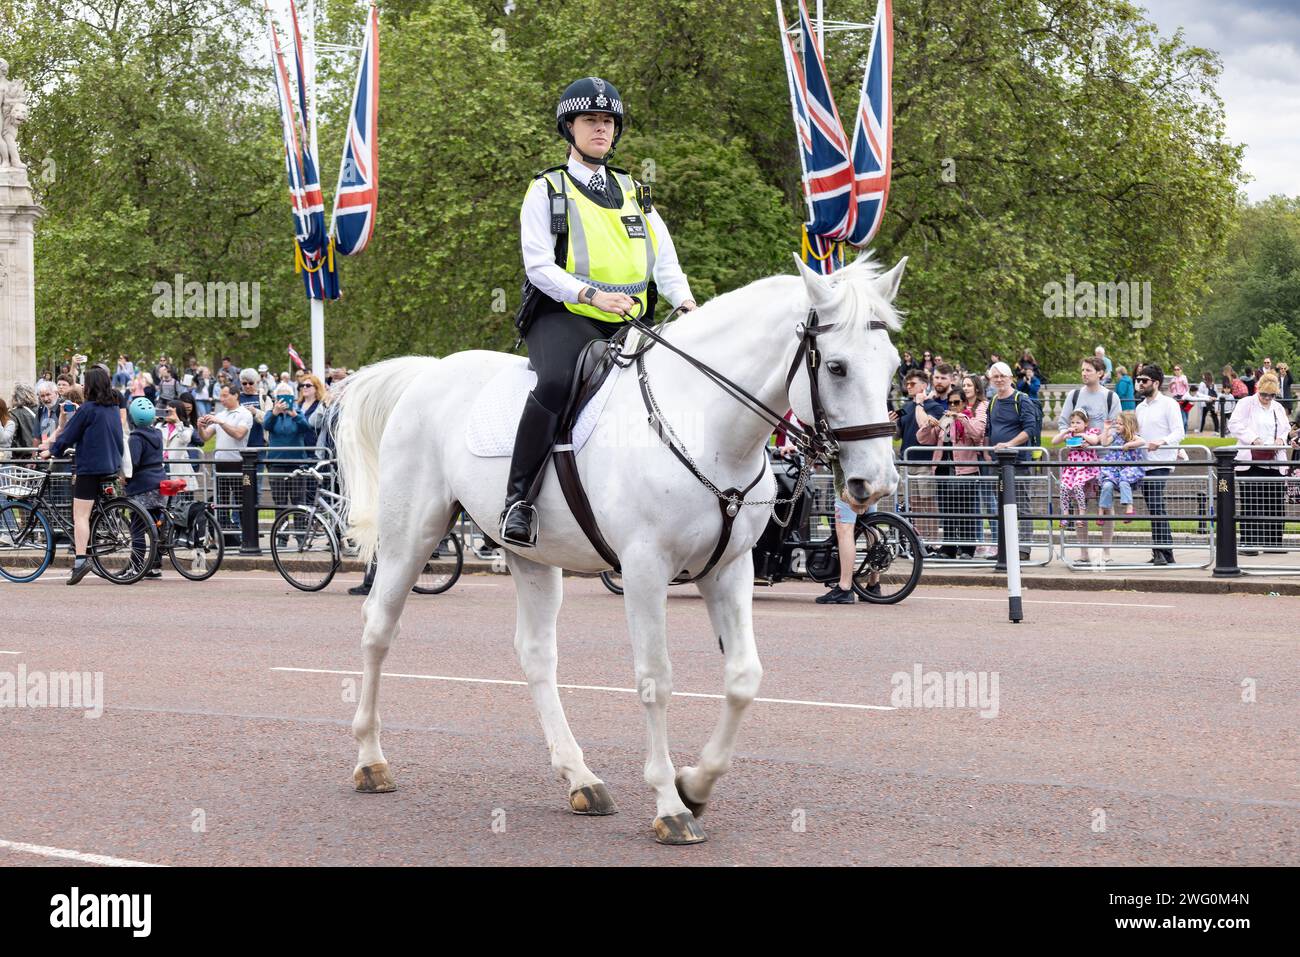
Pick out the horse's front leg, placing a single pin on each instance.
(645, 595)
(729, 594)
(539, 590)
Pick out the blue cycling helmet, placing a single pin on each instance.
(141, 411)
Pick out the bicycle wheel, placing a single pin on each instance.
(123, 541)
(304, 549)
(443, 568)
(196, 552)
(889, 551)
(26, 545)
(613, 581)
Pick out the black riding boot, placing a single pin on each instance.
(537, 432)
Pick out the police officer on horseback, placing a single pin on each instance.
(596, 254)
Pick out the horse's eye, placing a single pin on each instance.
(835, 367)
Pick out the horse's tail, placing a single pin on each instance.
(358, 418)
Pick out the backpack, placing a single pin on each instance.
(1111, 402)
(1036, 434)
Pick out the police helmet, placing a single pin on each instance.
(591, 94)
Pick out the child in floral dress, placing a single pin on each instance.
(1076, 481)
(1122, 444)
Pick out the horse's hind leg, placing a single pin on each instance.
(729, 594)
(539, 589)
(405, 543)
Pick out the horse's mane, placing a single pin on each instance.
(856, 280)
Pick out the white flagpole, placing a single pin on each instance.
(821, 30)
(309, 69)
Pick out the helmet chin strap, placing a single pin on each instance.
(598, 160)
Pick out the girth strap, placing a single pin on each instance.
(566, 470)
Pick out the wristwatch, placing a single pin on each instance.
(588, 295)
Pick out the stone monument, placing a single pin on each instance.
(18, 214)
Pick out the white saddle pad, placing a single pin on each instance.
(494, 418)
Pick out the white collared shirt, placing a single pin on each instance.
(1251, 422)
(1160, 420)
(539, 247)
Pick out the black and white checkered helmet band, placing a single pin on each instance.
(589, 104)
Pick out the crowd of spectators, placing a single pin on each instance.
(234, 410)
(951, 420)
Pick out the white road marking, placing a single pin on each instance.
(10, 652)
(67, 855)
(524, 684)
(1044, 601)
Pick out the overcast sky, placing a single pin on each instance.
(1259, 41)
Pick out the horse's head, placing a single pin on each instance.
(857, 367)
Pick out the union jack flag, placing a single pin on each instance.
(824, 152)
(308, 205)
(873, 137)
(357, 198)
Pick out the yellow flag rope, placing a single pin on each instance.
(299, 264)
(806, 249)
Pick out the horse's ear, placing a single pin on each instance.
(820, 293)
(887, 285)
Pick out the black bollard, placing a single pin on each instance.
(1225, 513)
(249, 543)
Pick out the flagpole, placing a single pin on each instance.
(317, 305)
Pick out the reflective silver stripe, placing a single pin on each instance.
(628, 289)
(578, 241)
(564, 447)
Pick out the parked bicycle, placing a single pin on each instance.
(308, 543)
(188, 533)
(122, 534)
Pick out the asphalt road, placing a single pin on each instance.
(1120, 737)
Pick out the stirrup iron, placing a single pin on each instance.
(532, 525)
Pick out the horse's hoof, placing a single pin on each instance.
(374, 779)
(695, 807)
(679, 829)
(592, 799)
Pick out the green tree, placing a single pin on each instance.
(1275, 341)
(1256, 285)
(164, 152)
(1033, 140)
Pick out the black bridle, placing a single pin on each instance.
(820, 443)
(823, 442)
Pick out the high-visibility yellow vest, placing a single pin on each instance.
(611, 250)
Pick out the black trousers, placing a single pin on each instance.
(1153, 491)
(555, 340)
(1263, 502)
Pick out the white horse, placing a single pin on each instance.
(407, 470)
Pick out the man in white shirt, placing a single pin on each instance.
(1160, 424)
(231, 424)
(595, 251)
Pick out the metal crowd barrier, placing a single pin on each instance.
(1266, 496)
(1172, 510)
(957, 516)
(1208, 502)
